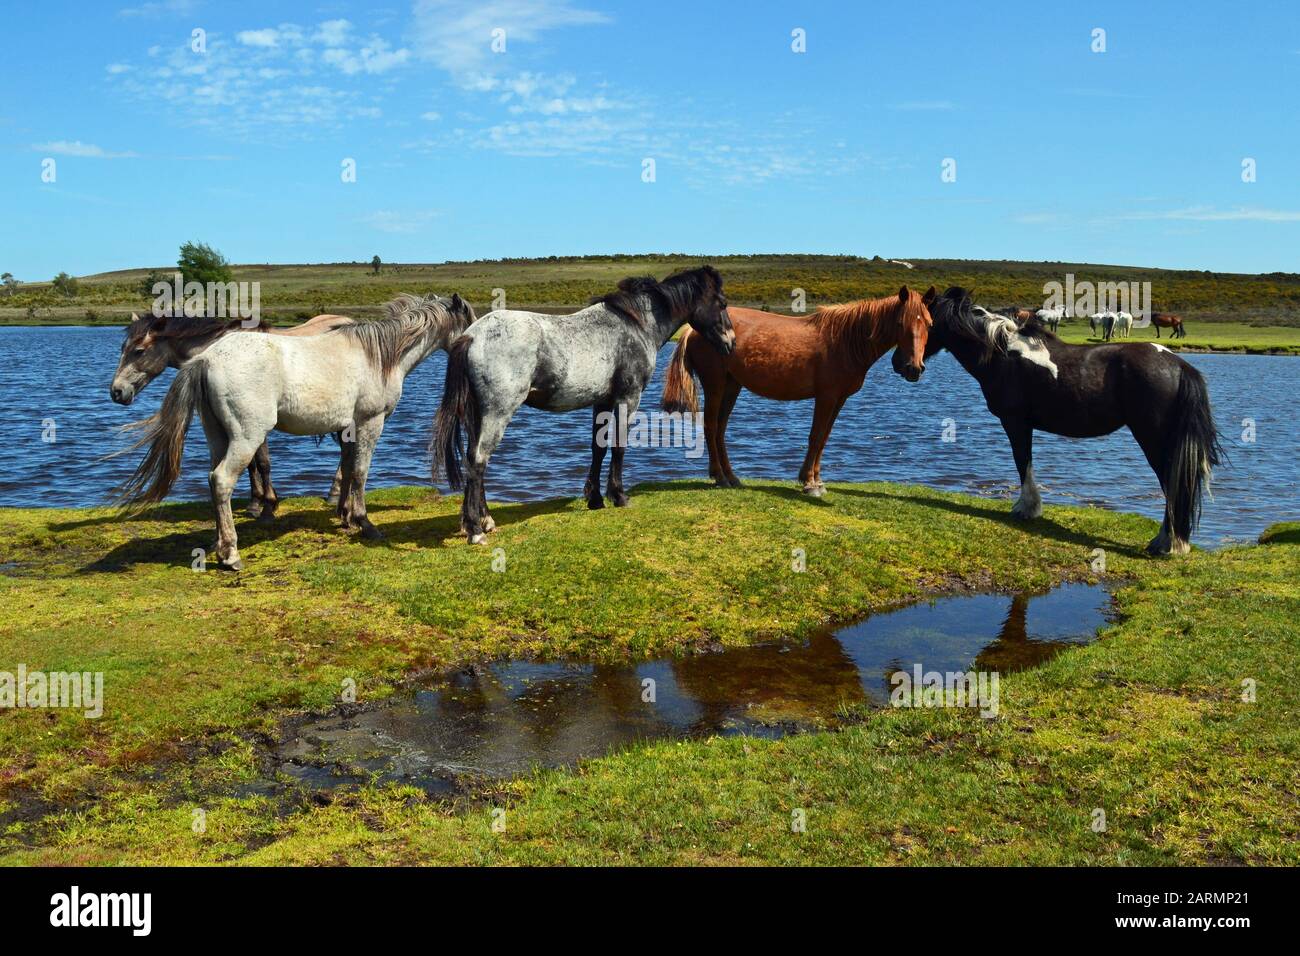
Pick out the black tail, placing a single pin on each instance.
(458, 416)
(1192, 451)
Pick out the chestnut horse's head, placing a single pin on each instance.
(145, 353)
(913, 332)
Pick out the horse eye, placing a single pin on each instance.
(139, 350)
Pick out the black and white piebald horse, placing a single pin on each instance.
(1032, 380)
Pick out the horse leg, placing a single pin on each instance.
(712, 386)
(221, 482)
(1021, 435)
(255, 489)
(354, 506)
(267, 501)
(1153, 442)
(614, 489)
(730, 392)
(332, 497)
(591, 490)
(474, 518)
(347, 468)
(822, 415)
(830, 423)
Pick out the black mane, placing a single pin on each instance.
(679, 293)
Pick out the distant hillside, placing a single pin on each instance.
(292, 291)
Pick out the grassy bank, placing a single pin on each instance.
(202, 668)
(1208, 337)
(293, 292)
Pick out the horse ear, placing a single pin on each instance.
(903, 293)
(930, 295)
(457, 302)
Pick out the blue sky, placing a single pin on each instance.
(1129, 156)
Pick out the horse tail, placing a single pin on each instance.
(164, 433)
(1191, 454)
(679, 382)
(458, 418)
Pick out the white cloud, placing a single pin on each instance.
(79, 149)
(431, 116)
(116, 68)
(456, 35)
(271, 77)
(407, 221)
(911, 106)
(160, 8)
(375, 56)
(333, 32)
(263, 38)
(1211, 214)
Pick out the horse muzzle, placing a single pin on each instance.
(122, 394)
(906, 368)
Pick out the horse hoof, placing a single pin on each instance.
(479, 538)
(254, 509)
(734, 482)
(371, 533)
(814, 491)
(1026, 514)
(595, 504)
(620, 501)
(228, 565)
(489, 524)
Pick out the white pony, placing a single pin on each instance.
(1099, 323)
(1051, 317)
(1123, 325)
(344, 382)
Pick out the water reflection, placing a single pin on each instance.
(505, 718)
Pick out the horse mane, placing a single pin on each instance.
(409, 320)
(854, 325)
(183, 326)
(955, 314)
(678, 293)
(1034, 327)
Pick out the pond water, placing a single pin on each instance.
(506, 718)
(890, 431)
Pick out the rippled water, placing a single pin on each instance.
(890, 430)
(508, 717)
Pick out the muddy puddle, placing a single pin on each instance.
(503, 719)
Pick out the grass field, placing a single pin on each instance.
(1207, 337)
(201, 669)
(294, 292)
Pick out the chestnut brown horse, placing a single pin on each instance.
(1167, 320)
(824, 356)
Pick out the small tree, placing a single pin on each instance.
(65, 284)
(374, 265)
(199, 262)
(10, 283)
(149, 281)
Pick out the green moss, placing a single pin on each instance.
(1148, 724)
